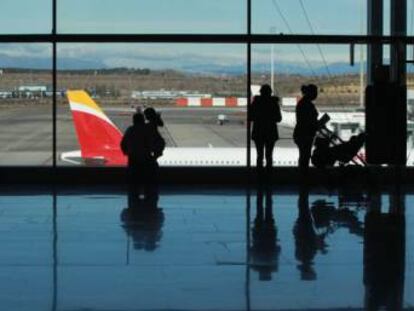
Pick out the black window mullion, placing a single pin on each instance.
(204, 38)
(54, 109)
(248, 81)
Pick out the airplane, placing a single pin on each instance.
(100, 138)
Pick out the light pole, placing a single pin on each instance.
(272, 65)
(361, 61)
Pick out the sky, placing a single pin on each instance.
(183, 16)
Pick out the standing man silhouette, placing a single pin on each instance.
(306, 125)
(265, 114)
(157, 146)
(136, 144)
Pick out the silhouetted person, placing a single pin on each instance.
(157, 143)
(306, 239)
(346, 151)
(306, 125)
(265, 114)
(265, 250)
(153, 122)
(136, 144)
(322, 155)
(325, 156)
(143, 221)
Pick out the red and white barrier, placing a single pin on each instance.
(211, 102)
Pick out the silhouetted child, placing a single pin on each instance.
(265, 114)
(346, 151)
(325, 156)
(322, 156)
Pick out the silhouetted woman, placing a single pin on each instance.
(306, 125)
(265, 114)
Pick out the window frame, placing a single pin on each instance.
(248, 39)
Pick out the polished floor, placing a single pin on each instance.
(206, 249)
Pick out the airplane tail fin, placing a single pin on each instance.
(98, 137)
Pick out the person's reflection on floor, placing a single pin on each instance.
(384, 256)
(265, 250)
(142, 220)
(307, 241)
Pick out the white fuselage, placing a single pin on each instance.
(289, 118)
(205, 157)
(223, 157)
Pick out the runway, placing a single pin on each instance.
(26, 132)
(198, 127)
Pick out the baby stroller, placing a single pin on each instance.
(330, 148)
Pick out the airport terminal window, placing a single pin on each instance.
(26, 105)
(152, 16)
(200, 87)
(341, 87)
(200, 91)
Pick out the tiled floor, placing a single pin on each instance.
(206, 249)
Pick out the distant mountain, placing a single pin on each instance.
(283, 68)
(7, 61)
(338, 68)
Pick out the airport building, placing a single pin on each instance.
(206, 155)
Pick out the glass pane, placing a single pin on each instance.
(200, 91)
(410, 18)
(309, 17)
(340, 88)
(25, 16)
(152, 16)
(26, 104)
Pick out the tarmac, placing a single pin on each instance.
(26, 132)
